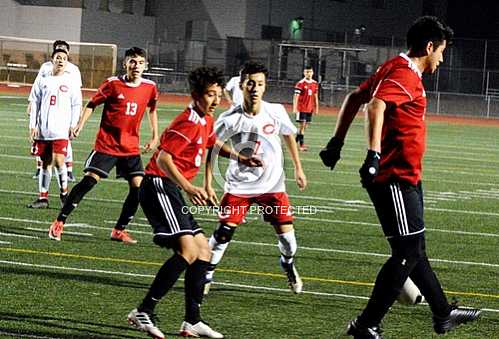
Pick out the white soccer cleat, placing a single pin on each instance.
(144, 322)
(294, 281)
(200, 329)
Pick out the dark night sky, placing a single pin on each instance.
(474, 18)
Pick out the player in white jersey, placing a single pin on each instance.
(74, 71)
(233, 92)
(55, 109)
(255, 129)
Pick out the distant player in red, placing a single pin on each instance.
(117, 144)
(391, 174)
(305, 103)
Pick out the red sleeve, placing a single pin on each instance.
(154, 98)
(103, 92)
(398, 87)
(177, 137)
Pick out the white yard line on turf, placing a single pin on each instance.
(243, 286)
(14, 235)
(44, 230)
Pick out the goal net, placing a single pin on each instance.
(21, 58)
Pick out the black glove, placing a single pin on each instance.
(331, 153)
(370, 168)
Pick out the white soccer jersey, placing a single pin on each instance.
(55, 106)
(257, 135)
(233, 87)
(71, 68)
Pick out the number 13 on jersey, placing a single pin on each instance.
(131, 108)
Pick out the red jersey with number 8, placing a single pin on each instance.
(124, 107)
(186, 139)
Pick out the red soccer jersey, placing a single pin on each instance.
(403, 138)
(306, 91)
(186, 139)
(124, 107)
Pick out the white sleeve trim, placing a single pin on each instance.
(399, 85)
(182, 135)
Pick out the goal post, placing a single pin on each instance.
(21, 58)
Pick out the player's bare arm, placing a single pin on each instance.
(153, 124)
(208, 181)
(197, 195)
(300, 178)
(295, 102)
(316, 103)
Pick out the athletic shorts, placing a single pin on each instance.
(45, 148)
(303, 117)
(126, 167)
(166, 210)
(274, 207)
(399, 206)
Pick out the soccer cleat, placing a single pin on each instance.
(56, 230)
(71, 177)
(359, 332)
(39, 203)
(294, 281)
(201, 329)
(37, 173)
(119, 235)
(303, 148)
(456, 317)
(144, 321)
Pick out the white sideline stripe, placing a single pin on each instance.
(371, 254)
(44, 230)
(18, 235)
(252, 287)
(54, 195)
(5, 242)
(17, 335)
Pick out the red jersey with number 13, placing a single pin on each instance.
(306, 90)
(124, 107)
(186, 139)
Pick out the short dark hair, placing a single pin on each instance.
(426, 29)
(252, 67)
(135, 51)
(203, 77)
(59, 43)
(59, 50)
(308, 66)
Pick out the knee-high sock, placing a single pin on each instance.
(217, 253)
(194, 286)
(129, 208)
(44, 182)
(287, 246)
(166, 277)
(62, 178)
(69, 157)
(75, 196)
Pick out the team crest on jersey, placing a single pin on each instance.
(268, 129)
(121, 96)
(63, 88)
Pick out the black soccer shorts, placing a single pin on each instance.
(399, 206)
(126, 167)
(166, 210)
(303, 117)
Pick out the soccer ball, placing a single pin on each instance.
(410, 294)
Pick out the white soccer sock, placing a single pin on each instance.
(38, 163)
(287, 246)
(69, 157)
(44, 181)
(62, 178)
(217, 250)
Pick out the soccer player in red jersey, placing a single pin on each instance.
(117, 144)
(171, 169)
(391, 174)
(305, 103)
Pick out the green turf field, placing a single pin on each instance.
(85, 285)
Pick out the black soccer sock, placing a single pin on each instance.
(129, 208)
(299, 139)
(387, 287)
(194, 286)
(166, 277)
(75, 196)
(425, 279)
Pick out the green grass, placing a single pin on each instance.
(84, 286)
